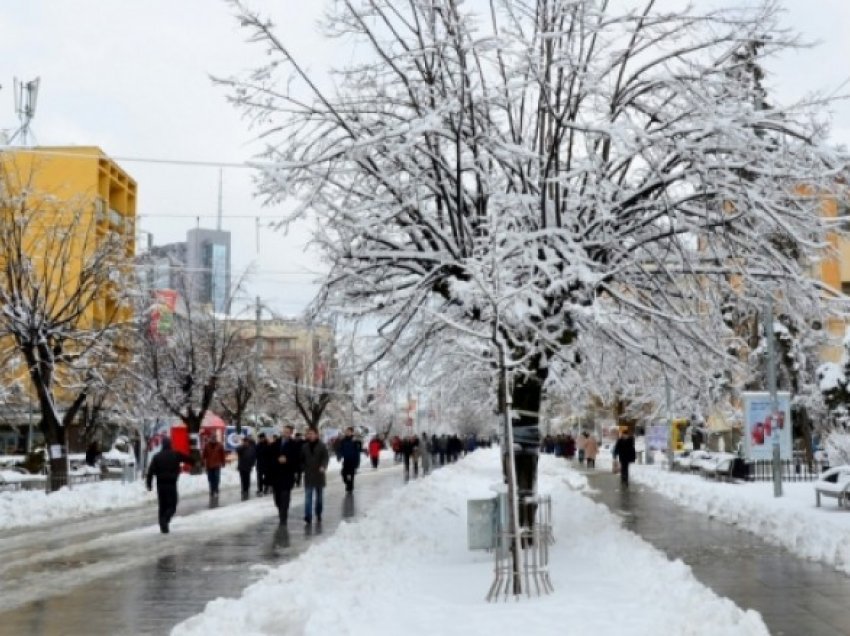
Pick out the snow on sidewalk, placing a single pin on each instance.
(792, 521)
(404, 568)
(26, 508)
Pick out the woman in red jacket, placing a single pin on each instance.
(375, 451)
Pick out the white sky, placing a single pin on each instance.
(133, 78)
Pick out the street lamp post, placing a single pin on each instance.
(774, 403)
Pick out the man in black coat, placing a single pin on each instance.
(246, 453)
(349, 454)
(284, 462)
(262, 456)
(165, 466)
(624, 452)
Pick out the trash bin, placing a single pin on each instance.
(128, 472)
(482, 521)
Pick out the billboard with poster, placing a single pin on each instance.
(760, 425)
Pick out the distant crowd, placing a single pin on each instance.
(287, 460)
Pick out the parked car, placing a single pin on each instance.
(119, 457)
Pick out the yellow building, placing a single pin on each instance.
(69, 204)
(81, 188)
(834, 269)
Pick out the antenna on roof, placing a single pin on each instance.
(26, 98)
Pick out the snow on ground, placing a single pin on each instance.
(404, 568)
(25, 508)
(792, 521)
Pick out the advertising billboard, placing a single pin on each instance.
(760, 425)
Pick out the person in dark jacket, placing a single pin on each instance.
(410, 452)
(165, 466)
(246, 454)
(93, 454)
(262, 454)
(314, 458)
(285, 461)
(624, 452)
(349, 454)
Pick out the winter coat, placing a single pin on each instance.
(314, 459)
(165, 466)
(624, 450)
(262, 452)
(375, 448)
(349, 452)
(213, 455)
(283, 473)
(591, 448)
(247, 456)
(410, 447)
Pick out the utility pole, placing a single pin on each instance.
(257, 351)
(774, 403)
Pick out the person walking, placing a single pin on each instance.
(349, 454)
(410, 452)
(213, 457)
(285, 461)
(581, 442)
(624, 452)
(165, 466)
(314, 459)
(246, 454)
(425, 453)
(262, 454)
(375, 451)
(591, 450)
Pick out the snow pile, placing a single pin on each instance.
(404, 568)
(19, 509)
(792, 521)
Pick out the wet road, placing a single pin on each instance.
(110, 576)
(793, 595)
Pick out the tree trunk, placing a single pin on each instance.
(527, 395)
(54, 436)
(193, 423)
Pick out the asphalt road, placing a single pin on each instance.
(118, 575)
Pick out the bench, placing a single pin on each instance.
(835, 482)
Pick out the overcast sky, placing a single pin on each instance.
(133, 78)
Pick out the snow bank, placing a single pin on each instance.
(404, 569)
(19, 509)
(792, 521)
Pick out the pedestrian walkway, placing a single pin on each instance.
(163, 580)
(793, 595)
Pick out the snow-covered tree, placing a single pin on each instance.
(184, 367)
(531, 171)
(61, 301)
(241, 385)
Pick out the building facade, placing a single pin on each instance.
(82, 199)
(208, 268)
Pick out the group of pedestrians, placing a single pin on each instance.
(282, 463)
